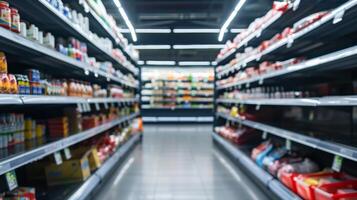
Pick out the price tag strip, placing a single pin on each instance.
(58, 158)
(288, 144)
(67, 153)
(337, 163)
(11, 180)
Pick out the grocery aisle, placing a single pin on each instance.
(178, 162)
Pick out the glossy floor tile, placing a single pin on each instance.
(178, 162)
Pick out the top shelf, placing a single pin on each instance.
(49, 18)
(277, 23)
(97, 24)
(326, 27)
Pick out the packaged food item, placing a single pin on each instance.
(5, 15)
(3, 63)
(4, 84)
(21, 193)
(15, 20)
(30, 129)
(13, 89)
(288, 172)
(307, 183)
(23, 29)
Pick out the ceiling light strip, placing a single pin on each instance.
(152, 47)
(194, 63)
(230, 19)
(199, 46)
(160, 62)
(126, 20)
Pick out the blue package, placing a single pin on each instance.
(263, 154)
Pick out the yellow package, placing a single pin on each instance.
(3, 63)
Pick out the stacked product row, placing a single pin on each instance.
(81, 160)
(69, 107)
(178, 90)
(285, 100)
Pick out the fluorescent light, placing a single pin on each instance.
(141, 62)
(196, 30)
(194, 63)
(214, 63)
(153, 30)
(230, 19)
(237, 30)
(199, 46)
(126, 19)
(160, 62)
(146, 30)
(152, 47)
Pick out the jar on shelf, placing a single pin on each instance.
(15, 20)
(5, 15)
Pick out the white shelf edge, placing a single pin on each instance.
(42, 151)
(329, 147)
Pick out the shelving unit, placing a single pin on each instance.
(83, 102)
(288, 105)
(176, 95)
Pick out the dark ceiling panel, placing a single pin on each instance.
(196, 14)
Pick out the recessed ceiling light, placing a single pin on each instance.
(160, 62)
(230, 19)
(194, 63)
(152, 46)
(126, 20)
(199, 46)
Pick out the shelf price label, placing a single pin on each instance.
(67, 153)
(290, 42)
(261, 81)
(89, 108)
(338, 17)
(106, 105)
(288, 144)
(265, 135)
(337, 163)
(58, 158)
(257, 107)
(296, 5)
(79, 108)
(97, 107)
(11, 180)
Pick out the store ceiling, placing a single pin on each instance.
(185, 14)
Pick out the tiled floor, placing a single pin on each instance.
(178, 162)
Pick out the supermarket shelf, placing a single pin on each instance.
(12, 99)
(339, 59)
(40, 152)
(316, 28)
(96, 23)
(260, 174)
(322, 101)
(46, 15)
(330, 147)
(22, 46)
(96, 179)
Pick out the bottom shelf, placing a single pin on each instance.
(261, 175)
(85, 190)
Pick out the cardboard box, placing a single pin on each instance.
(70, 171)
(93, 158)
